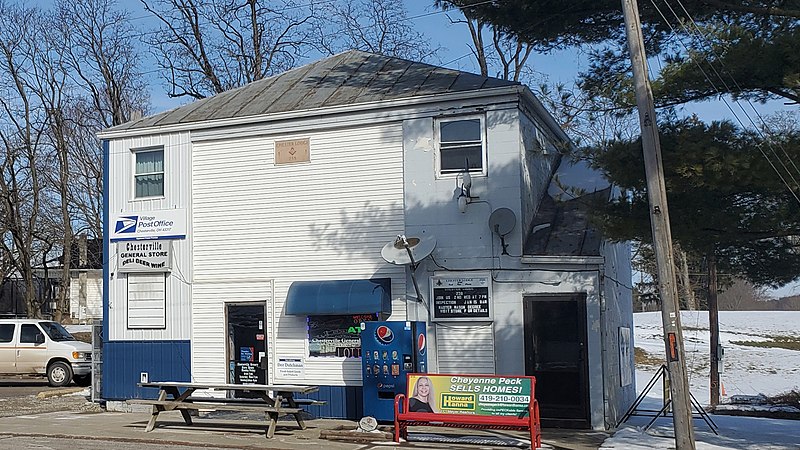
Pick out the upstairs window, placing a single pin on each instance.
(149, 175)
(461, 145)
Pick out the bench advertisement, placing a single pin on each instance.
(484, 395)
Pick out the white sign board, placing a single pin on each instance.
(625, 357)
(157, 224)
(291, 368)
(144, 256)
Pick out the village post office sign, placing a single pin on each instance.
(144, 256)
(156, 224)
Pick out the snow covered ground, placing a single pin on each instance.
(746, 370)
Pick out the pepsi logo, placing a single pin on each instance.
(384, 334)
(421, 343)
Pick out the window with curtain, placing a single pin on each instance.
(149, 176)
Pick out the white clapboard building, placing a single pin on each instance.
(245, 230)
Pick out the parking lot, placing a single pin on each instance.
(34, 415)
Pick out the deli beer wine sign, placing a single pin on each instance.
(467, 394)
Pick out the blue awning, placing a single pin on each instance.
(340, 297)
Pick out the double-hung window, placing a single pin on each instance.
(462, 145)
(148, 179)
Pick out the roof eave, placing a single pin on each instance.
(333, 110)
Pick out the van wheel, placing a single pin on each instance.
(59, 374)
(82, 380)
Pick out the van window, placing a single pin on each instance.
(6, 332)
(28, 333)
(56, 331)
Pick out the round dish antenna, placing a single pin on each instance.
(410, 250)
(502, 221)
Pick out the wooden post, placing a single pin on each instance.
(662, 238)
(713, 328)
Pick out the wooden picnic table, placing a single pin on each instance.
(272, 400)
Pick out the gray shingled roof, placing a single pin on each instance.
(344, 79)
(562, 228)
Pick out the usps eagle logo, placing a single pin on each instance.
(126, 224)
(384, 334)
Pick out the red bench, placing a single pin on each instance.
(527, 419)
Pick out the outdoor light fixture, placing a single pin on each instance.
(464, 197)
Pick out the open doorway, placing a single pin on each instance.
(246, 344)
(555, 353)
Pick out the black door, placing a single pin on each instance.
(247, 344)
(555, 353)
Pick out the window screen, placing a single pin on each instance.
(147, 301)
(149, 178)
(460, 145)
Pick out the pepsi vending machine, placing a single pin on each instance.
(390, 350)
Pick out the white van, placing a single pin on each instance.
(42, 347)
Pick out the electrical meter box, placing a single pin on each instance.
(390, 350)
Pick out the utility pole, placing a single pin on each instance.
(713, 328)
(662, 236)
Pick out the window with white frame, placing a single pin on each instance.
(147, 301)
(148, 179)
(462, 145)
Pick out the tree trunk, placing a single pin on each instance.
(713, 327)
(687, 292)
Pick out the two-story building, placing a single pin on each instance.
(248, 227)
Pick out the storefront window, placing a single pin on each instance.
(338, 336)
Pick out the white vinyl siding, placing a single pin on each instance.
(465, 348)
(209, 358)
(326, 219)
(177, 195)
(147, 301)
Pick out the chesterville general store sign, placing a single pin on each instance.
(145, 256)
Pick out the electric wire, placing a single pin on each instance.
(735, 115)
(703, 37)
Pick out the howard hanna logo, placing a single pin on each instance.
(126, 224)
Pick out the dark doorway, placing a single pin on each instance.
(247, 345)
(555, 353)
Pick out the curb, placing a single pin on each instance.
(58, 392)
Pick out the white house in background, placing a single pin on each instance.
(215, 209)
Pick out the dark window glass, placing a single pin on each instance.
(336, 335)
(460, 146)
(28, 334)
(6, 332)
(56, 331)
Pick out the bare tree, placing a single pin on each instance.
(102, 59)
(209, 47)
(21, 133)
(376, 26)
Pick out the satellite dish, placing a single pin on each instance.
(395, 252)
(502, 221)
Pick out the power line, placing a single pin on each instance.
(727, 104)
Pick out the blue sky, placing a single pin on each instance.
(455, 53)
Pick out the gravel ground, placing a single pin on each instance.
(30, 404)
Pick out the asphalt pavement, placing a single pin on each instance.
(64, 420)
